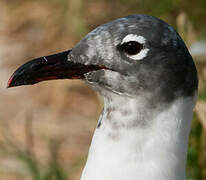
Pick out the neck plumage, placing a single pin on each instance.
(136, 143)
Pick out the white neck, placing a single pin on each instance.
(132, 144)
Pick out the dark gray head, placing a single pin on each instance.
(132, 56)
(146, 55)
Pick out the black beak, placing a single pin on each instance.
(51, 67)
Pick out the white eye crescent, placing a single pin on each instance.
(133, 47)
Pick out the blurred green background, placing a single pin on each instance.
(46, 129)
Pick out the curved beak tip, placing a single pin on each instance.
(9, 83)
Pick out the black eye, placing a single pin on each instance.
(131, 47)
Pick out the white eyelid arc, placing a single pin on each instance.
(133, 37)
(140, 56)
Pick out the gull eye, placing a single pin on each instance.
(131, 47)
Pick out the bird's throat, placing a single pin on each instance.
(130, 143)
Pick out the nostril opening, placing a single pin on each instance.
(41, 64)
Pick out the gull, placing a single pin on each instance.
(148, 80)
